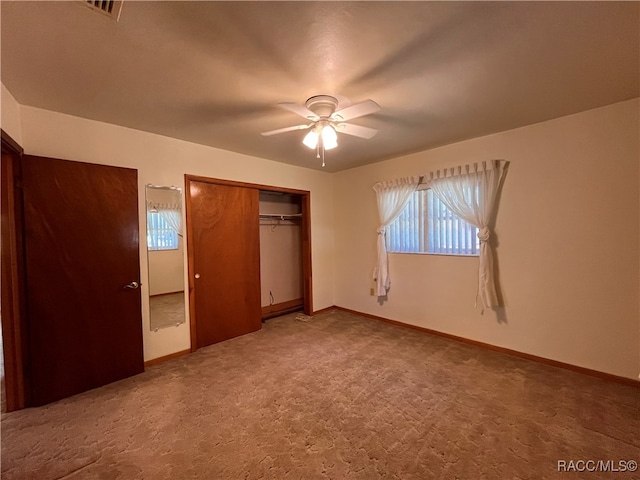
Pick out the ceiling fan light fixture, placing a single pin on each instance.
(311, 139)
(328, 118)
(329, 137)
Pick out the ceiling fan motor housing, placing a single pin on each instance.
(322, 105)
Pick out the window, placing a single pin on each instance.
(160, 235)
(427, 226)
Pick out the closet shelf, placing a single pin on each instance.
(281, 216)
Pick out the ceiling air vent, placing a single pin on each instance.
(109, 7)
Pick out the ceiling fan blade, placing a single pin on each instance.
(286, 129)
(356, 130)
(354, 111)
(304, 112)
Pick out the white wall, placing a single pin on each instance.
(568, 230)
(10, 115)
(164, 161)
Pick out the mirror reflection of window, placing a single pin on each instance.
(160, 235)
(165, 254)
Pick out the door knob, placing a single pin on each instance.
(132, 285)
(197, 275)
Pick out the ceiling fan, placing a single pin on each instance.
(326, 121)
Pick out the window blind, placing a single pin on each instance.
(427, 226)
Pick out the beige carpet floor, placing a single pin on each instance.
(337, 397)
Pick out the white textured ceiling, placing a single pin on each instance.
(212, 72)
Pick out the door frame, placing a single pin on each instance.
(305, 196)
(14, 338)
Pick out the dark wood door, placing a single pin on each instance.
(82, 257)
(14, 345)
(224, 250)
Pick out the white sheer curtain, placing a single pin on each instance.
(392, 196)
(470, 193)
(173, 217)
(169, 209)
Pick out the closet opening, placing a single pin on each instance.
(281, 278)
(249, 254)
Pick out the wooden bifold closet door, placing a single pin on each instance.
(224, 261)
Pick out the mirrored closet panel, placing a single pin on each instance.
(165, 254)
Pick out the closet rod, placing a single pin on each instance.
(281, 216)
